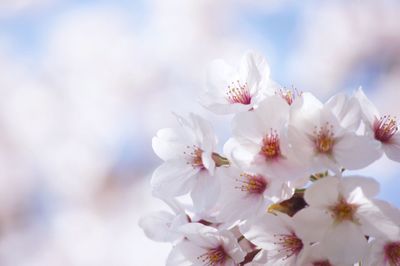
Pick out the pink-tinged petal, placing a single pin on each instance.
(355, 152)
(248, 125)
(206, 191)
(323, 193)
(173, 178)
(312, 224)
(369, 110)
(369, 186)
(346, 110)
(392, 148)
(344, 243)
(176, 257)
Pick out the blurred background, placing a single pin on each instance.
(85, 84)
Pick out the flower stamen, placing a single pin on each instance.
(289, 95)
(238, 93)
(271, 146)
(385, 128)
(344, 211)
(324, 138)
(392, 253)
(289, 244)
(195, 156)
(252, 184)
(213, 257)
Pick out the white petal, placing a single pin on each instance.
(206, 191)
(323, 193)
(392, 149)
(263, 229)
(248, 125)
(255, 67)
(170, 143)
(218, 75)
(374, 222)
(156, 226)
(273, 113)
(369, 186)
(369, 110)
(312, 224)
(347, 110)
(176, 258)
(202, 236)
(173, 178)
(355, 152)
(344, 243)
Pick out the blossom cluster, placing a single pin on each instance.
(279, 192)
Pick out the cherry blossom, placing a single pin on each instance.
(233, 90)
(278, 194)
(204, 245)
(190, 161)
(260, 140)
(246, 194)
(341, 213)
(382, 128)
(277, 235)
(324, 135)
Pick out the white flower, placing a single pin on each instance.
(260, 141)
(383, 129)
(204, 245)
(245, 194)
(190, 162)
(324, 135)
(340, 215)
(233, 90)
(277, 236)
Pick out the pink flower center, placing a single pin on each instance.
(322, 263)
(253, 184)
(194, 156)
(271, 146)
(213, 257)
(288, 95)
(385, 128)
(343, 211)
(392, 253)
(324, 138)
(289, 245)
(238, 93)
